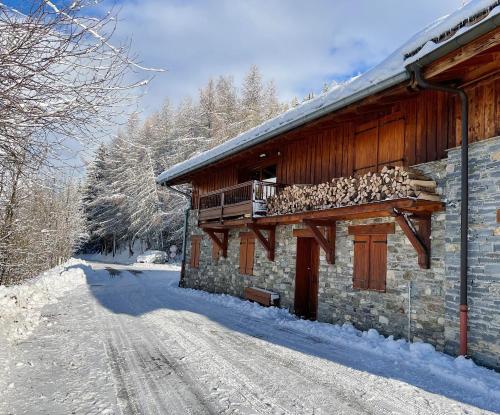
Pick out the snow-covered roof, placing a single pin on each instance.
(388, 73)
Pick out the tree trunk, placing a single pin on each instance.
(7, 226)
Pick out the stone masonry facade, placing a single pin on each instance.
(484, 251)
(432, 313)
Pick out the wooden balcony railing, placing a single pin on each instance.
(243, 200)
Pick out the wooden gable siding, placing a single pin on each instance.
(217, 178)
(418, 129)
(484, 110)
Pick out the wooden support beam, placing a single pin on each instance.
(419, 239)
(424, 233)
(269, 243)
(326, 243)
(364, 211)
(221, 243)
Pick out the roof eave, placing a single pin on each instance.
(351, 99)
(457, 42)
(448, 47)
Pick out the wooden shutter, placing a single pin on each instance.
(365, 149)
(250, 255)
(216, 251)
(378, 262)
(370, 255)
(361, 270)
(391, 143)
(247, 251)
(195, 251)
(243, 255)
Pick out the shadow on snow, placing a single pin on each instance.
(137, 292)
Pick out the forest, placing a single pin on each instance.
(69, 95)
(63, 85)
(120, 198)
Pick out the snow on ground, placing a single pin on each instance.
(129, 341)
(21, 305)
(123, 256)
(120, 257)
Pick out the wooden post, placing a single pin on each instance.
(326, 243)
(269, 243)
(222, 244)
(420, 240)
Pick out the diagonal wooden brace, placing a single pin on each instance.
(420, 239)
(268, 243)
(326, 243)
(220, 242)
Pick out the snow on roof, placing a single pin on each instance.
(389, 72)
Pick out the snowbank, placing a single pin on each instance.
(21, 305)
(462, 373)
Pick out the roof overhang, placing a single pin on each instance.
(178, 175)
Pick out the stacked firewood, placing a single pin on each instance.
(390, 183)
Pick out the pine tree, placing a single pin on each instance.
(122, 201)
(92, 190)
(252, 100)
(207, 111)
(273, 107)
(227, 110)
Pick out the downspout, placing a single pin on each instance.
(185, 230)
(415, 69)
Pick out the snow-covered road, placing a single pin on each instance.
(130, 342)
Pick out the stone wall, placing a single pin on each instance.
(338, 302)
(222, 275)
(434, 292)
(484, 251)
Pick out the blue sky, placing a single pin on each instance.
(300, 44)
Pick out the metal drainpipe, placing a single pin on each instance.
(464, 211)
(184, 233)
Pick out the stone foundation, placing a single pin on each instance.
(434, 292)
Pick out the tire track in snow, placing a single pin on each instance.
(148, 380)
(252, 372)
(363, 392)
(242, 366)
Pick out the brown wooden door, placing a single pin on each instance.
(306, 278)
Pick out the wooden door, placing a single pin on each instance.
(306, 278)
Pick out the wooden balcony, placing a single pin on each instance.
(245, 200)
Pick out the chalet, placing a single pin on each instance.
(266, 218)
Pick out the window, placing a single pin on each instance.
(247, 250)
(370, 255)
(195, 251)
(266, 173)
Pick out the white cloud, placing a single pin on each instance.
(300, 44)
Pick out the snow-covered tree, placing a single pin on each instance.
(130, 206)
(252, 99)
(227, 110)
(61, 80)
(45, 226)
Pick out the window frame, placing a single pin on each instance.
(367, 257)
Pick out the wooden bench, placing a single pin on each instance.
(264, 297)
